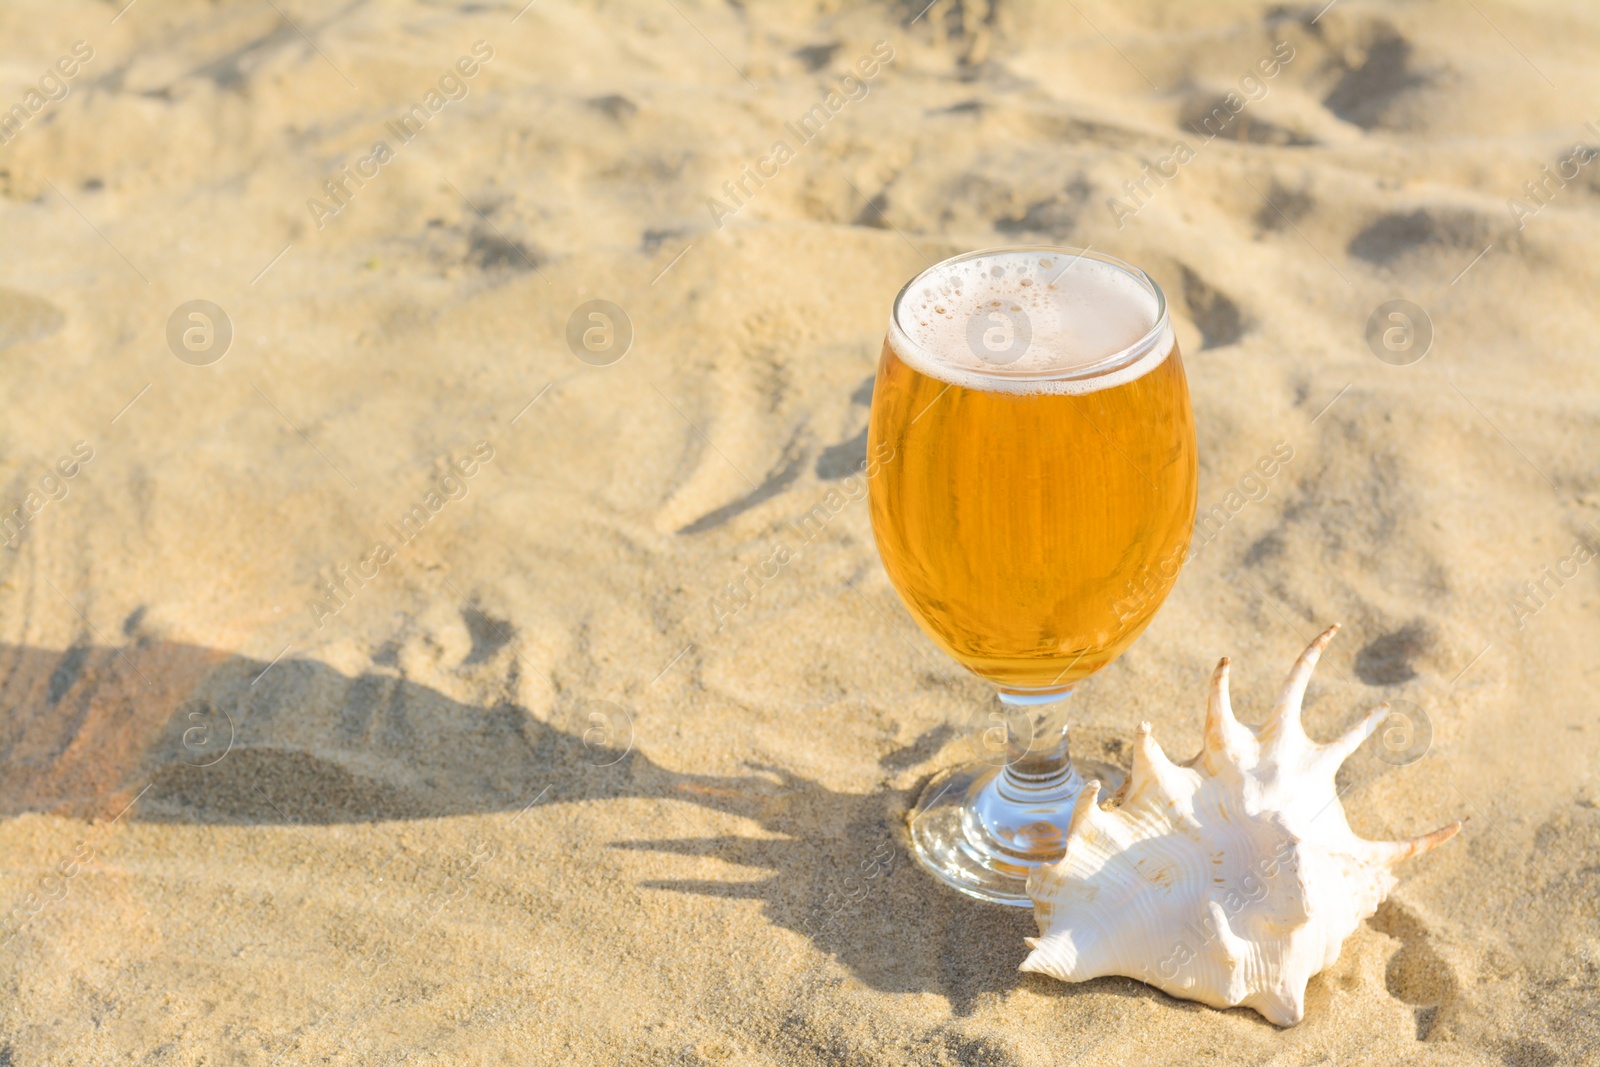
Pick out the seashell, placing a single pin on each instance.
(1230, 879)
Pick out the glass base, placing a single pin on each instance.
(975, 829)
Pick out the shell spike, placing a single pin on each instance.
(1084, 808)
(1284, 725)
(1391, 853)
(1283, 1007)
(1226, 738)
(1235, 949)
(1331, 756)
(1151, 767)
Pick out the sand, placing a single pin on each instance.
(534, 789)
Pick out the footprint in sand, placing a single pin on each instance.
(25, 318)
(1398, 235)
(1370, 86)
(1219, 318)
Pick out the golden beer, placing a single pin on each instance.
(1037, 508)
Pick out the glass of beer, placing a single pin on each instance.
(1033, 504)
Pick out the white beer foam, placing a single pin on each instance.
(1030, 322)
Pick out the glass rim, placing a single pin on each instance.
(1111, 362)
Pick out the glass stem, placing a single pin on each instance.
(1038, 764)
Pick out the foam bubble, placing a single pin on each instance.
(1030, 322)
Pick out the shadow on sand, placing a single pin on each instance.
(196, 735)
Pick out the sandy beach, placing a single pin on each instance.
(381, 682)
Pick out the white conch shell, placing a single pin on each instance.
(1231, 879)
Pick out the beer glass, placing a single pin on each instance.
(1032, 505)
